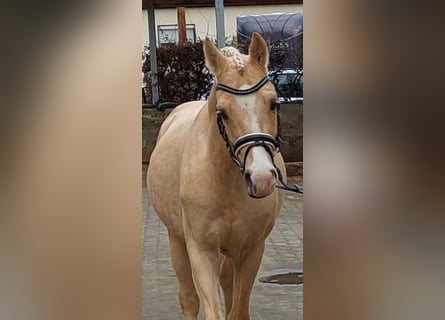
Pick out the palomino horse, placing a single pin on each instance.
(218, 217)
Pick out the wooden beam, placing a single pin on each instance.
(182, 29)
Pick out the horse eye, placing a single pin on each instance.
(274, 105)
(223, 113)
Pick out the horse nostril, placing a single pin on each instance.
(250, 187)
(274, 173)
(247, 175)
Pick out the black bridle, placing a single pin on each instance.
(269, 143)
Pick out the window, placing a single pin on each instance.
(169, 34)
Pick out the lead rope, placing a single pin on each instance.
(285, 186)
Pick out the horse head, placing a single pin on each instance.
(245, 102)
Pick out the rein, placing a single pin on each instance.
(250, 140)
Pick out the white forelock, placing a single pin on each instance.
(237, 57)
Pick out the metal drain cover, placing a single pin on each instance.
(294, 277)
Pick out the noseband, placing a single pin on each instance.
(250, 140)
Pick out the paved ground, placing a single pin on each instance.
(284, 250)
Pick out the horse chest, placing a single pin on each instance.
(239, 231)
(229, 232)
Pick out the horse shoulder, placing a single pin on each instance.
(165, 163)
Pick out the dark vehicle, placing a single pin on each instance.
(284, 34)
(288, 84)
(282, 31)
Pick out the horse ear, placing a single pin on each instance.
(214, 59)
(258, 50)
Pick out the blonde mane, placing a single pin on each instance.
(237, 58)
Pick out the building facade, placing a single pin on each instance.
(203, 18)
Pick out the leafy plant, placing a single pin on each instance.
(182, 74)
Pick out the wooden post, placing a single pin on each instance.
(182, 29)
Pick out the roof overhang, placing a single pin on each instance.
(160, 4)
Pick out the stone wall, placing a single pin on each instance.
(291, 123)
(151, 122)
(292, 132)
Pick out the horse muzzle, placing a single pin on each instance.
(261, 182)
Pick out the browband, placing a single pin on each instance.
(250, 90)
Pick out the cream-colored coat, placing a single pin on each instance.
(216, 231)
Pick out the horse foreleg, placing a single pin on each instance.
(205, 271)
(187, 293)
(226, 281)
(246, 270)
